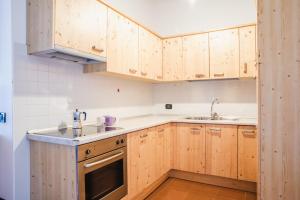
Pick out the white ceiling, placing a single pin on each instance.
(169, 17)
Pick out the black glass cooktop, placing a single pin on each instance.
(74, 133)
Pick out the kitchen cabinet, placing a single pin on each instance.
(189, 148)
(150, 55)
(81, 25)
(172, 59)
(221, 150)
(196, 57)
(122, 45)
(69, 30)
(224, 54)
(248, 51)
(247, 153)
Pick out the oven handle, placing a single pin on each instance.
(88, 165)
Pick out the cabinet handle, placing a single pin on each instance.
(161, 130)
(215, 130)
(94, 48)
(199, 75)
(143, 136)
(196, 129)
(159, 77)
(249, 133)
(245, 68)
(219, 75)
(133, 71)
(144, 73)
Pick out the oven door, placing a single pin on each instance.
(103, 177)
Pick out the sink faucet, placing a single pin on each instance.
(213, 114)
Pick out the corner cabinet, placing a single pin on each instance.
(247, 153)
(67, 29)
(150, 55)
(196, 57)
(122, 45)
(172, 59)
(248, 65)
(224, 54)
(221, 150)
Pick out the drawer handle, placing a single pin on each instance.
(249, 133)
(245, 68)
(94, 48)
(199, 75)
(133, 71)
(161, 130)
(219, 75)
(144, 73)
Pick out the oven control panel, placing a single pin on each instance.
(97, 148)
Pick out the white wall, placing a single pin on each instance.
(237, 97)
(169, 17)
(6, 137)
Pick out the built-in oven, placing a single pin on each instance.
(102, 169)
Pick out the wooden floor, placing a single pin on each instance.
(177, 189)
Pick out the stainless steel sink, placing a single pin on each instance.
(209, 118)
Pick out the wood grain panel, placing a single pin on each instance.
(189, 148)
(172, 59)
(248, 56)
(279, 97)
(122, 45)
(247, 153)
(224, 54)
(196, 57)
(81, 25)
(150, 55)
(221, 150)
(52, 171)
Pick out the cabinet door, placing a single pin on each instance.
(196, 57)
(247, 153)
(81, 25)
(248, 51)
(172, 59)
(150, 55)
(122, 45)
(221, 150)
(224, 54)
(189, 151)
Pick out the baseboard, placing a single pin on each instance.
(214, 180)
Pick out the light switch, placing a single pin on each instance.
(2, 118)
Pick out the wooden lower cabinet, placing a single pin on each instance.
(221, 150)
(247, 153)
(189, 148)
(148, 157)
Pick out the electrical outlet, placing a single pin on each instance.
(2, 117)
(169, 106)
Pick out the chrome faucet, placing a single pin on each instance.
(214, 115)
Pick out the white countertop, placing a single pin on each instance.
(133, 124)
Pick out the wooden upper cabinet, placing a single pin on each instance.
(172, 59)
(189, 148)
(248, 51)
(122, 45)
(221, 150)
(196, 57)
(150, 55)
(81, 25)
(247, 153)
(224, 54)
